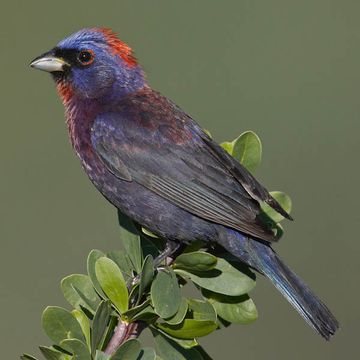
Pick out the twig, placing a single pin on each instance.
(118, 337)
(124, 331)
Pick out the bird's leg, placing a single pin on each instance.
(171, 248)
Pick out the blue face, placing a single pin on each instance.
(93, 70)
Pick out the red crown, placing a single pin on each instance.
(118, 47)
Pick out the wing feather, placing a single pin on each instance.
(164, 150)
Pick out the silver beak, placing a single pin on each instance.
(49, 63)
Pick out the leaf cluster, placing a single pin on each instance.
(129, 290)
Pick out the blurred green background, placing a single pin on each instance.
(288, 70)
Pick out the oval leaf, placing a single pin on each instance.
(180, 315)
(202, 310)
(50, 353)
(112, 282)
(122, 260)
(148, 233)
(223, 279)
(165, 294)
(285, 202)
(147, 353)
(131, 240)
(79, 350)
(129, 350)
(169, 349)
(196, 261)
(147, 274)
(283, 199)
(27, 357)
(145, 314)
(99, 325)
(228, 146)
(128, 315)
(234, 309)
(189, 328)
(91, 260)
(59, 324)
(99, 355)
(247, 150)
(184, 343)
(84, 324)
(109, 332)
(70, 287)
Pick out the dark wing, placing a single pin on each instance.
(169, 154)
(247, 180)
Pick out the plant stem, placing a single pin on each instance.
(117, 338)
(124, 331)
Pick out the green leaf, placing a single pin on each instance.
(79, 350)
(148, 232)
(27, 357)
(147, 274)
(100, 323)
(60, 324)
(203, 321)
(101, 355)
(180, 315)
(247, 150)
(223, 279)
(228, 146)
(94, 256)
(285, 202)
(165, 294)
(84, 324)
(128, 315)
(62, 350)
(134, 292)
(112, 282)
(202, 310)
(122, 260)
(196, 261)
(146, 314)
(131, 241)
(234, 309)
(207, 132)
(147, 353)
(184, 343)
(279, 231)
(189, 328)
(84, 284)
(169, 349)
(110, 330)
(149, 247)
(129, 350)
(50, 353)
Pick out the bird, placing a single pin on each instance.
(156, 165)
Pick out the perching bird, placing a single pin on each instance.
(156, 165)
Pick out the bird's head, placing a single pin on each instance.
(92, 63)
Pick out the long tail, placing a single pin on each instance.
(263, 258)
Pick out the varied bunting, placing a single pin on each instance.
(157, 166)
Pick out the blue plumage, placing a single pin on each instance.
(263, 258)
(154, 163)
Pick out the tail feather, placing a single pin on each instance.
(261, 257)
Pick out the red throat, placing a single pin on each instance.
(118, 47)
(65, 91)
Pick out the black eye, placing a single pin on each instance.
(86, 57)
